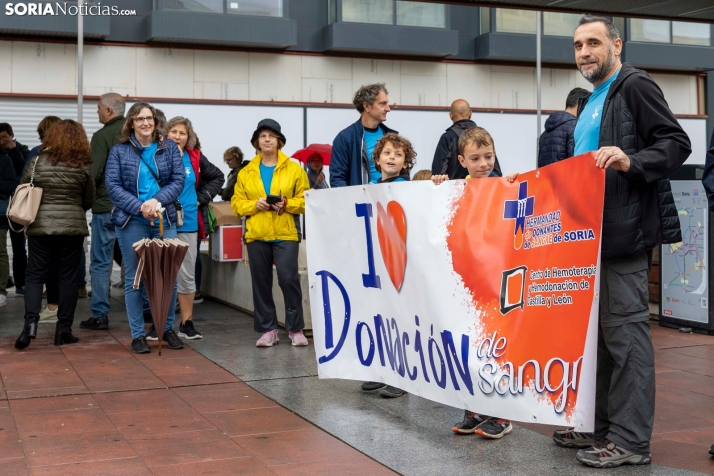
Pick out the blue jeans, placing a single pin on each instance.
(82, 272)
(100, 268)
(132, 232)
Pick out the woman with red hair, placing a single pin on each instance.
(56, 236)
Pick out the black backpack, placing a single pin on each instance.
(452, 167)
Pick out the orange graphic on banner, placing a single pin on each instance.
(537, 292)
(392, 234)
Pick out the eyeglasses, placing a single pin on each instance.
(140, 120)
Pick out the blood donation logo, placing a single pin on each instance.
(513, 284)
(519, 210)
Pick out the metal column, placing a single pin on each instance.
(80, 61)
(539, 26)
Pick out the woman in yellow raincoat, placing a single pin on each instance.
(269, 192)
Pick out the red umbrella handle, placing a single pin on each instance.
(161, 225)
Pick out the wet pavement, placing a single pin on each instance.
(221, 406)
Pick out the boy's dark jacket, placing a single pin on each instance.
(557, 142)
(404, 177)
(639, 211)
(348, 157)
(446, 156)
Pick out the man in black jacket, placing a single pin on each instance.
(8, 183)
(708, 179)
(18, 153)
(639, 142)
(446, 156)
(557, 142)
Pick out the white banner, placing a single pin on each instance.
(478, 294)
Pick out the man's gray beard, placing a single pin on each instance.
(603, 69)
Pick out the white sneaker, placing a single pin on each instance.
(3, 300)
(48, 314)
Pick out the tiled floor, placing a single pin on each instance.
(221, 406)
(95, 408)
(684, 409)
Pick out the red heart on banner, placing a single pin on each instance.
(392, 233)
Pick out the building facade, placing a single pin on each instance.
(230, 63)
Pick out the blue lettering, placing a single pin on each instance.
(418, 348)
(370, 355)
(328, 315)
(461, 366)
(440, 378)
(405, 342)
(398, 350)
(369, 280)
(382, 336)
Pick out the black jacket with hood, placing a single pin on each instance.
(446, 156)
(557, 142)
(639, 211)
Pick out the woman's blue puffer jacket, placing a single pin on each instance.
(122, 178)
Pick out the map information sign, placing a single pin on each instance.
(684, 266)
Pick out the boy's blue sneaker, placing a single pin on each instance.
(494, 428)
(470, 423)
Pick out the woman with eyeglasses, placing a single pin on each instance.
(233, 157)
(144, 173)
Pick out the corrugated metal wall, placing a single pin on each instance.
(24, 115)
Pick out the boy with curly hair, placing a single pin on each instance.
(394, 158)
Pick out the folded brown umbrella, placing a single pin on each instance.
(159, 263)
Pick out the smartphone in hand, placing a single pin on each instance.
(274, 199)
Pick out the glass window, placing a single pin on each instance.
(368, 11)
(331, 11)
(264, 8)
(685, 33)
(205, 6)
(430, 15)
(515, 21)
(655, 31)
(485, 20)
(560, 24)
(620, 25)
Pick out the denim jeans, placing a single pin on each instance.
(82, 271)
(100, 268)
(132, 232)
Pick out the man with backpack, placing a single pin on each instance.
(446, 157)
